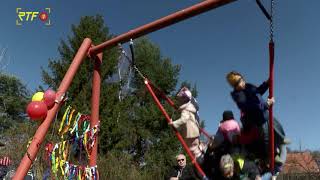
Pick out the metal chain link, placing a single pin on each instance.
(130, 61)
(271, 20)
(139, 72)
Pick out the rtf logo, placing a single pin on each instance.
(31, 16)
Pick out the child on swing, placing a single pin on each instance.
(254, 109)
(188, 123)
(228, 128)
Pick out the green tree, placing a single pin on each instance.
(15, 128)
(135, 125)
(79, 93)
(13, 101)
(156, 142)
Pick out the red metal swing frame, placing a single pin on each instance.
(87, 49)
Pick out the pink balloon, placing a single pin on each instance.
(229, 128)
(49, 98)
(37, 110)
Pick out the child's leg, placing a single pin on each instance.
(265, 135)
(281, 157)
(194, 146)
(203, 147)
(279, 134)
(278, 129)
(266, 176)
(215, 141)
(283, 152)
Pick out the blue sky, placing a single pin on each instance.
(234, 37)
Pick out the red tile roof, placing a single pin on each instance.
(300, 162)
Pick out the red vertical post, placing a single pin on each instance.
(180, 138)
(271, 131)
(41, 132)
(95, 100)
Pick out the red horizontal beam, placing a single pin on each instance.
(161, 23)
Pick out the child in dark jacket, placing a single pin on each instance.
(254, 109)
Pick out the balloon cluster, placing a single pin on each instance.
(41, 102)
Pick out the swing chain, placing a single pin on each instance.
(271, 20)
(130, 61)
(123, 52)
(139, 72)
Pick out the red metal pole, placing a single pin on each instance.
(180, 138)
(161, 23)
(163, 96)
(43, 128)
(204, 132)
(271, 131)
(96, 86)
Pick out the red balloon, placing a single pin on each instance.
(37, 110)
(49, 98)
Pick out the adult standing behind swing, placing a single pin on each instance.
(181, 171)
(254, 110)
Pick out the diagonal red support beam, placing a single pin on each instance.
(171, 103)
(42, 130)
(161, 23)
(180, 138)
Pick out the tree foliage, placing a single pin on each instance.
(13, 100)
(80, 90)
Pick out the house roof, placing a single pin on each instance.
(301, 162)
